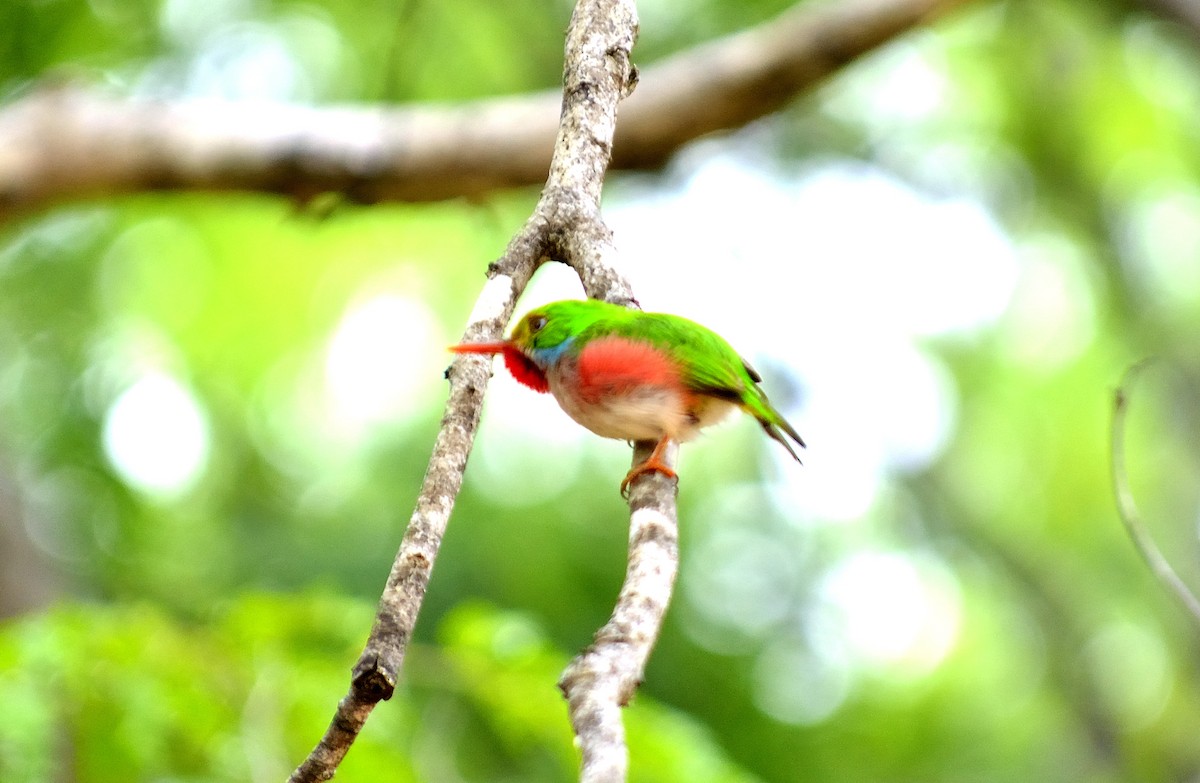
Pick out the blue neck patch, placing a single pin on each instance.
(549, 356)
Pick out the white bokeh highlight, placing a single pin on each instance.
(156, 436)
(893, 609)
(374, 358)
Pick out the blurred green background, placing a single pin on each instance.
(215, 412)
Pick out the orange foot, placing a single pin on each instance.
(653, 464)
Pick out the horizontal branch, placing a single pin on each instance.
(66, 142)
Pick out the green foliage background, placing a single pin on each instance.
(207, 635)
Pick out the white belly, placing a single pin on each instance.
(643, 414)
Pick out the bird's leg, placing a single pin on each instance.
(653, 464)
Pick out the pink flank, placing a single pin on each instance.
(615, 366)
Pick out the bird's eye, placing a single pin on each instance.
(537, 323)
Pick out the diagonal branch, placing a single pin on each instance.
(566, 226)
(378, 669)
(68, 143)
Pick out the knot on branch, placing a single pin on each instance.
(371, 681)
(611, 665)
(631, 82)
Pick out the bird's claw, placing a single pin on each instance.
(651, 465)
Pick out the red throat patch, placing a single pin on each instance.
(524, 370)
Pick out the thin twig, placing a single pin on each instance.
(1127, 508)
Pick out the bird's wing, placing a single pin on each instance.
(707, 363)
(723, 373)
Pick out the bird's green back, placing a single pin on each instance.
(708, 364)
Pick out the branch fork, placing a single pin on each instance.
(565, 226)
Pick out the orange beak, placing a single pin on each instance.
(479, 347)
(521, 368)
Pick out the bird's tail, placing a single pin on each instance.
(774, 424)
(773, 428)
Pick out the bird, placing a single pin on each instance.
(634, 375)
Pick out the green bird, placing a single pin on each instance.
(633, 376)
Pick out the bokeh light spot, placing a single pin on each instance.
(793, 684)
(894, 610)
(371, 365)
(1053, 312)
(156, 436)
(1132, 668)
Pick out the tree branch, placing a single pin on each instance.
(67, 143)
(603, 678)
(1127, 508)
(729, 82)
(566, 226)
(1185, 13)
(378, 668)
